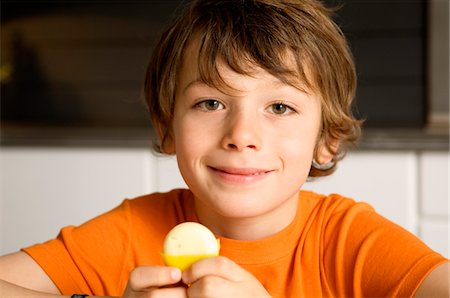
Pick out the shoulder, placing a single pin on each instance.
(335, 214)
(147, 211)
(170, 207)
(357, 241)
(332, 204)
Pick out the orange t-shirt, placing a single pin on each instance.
(334, 247)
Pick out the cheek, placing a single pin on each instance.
(297, 158)
(298, 154)
(297, 147)
(191, 137)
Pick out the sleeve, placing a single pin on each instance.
(369, 256)
(90, 258)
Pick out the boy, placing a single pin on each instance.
(253, 97)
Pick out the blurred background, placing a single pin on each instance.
(76, 139)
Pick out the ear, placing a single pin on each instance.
(325, 154)
(168, 145)
(166, 139)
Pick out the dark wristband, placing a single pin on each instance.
(79, 296)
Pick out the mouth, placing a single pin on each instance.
(240, 175)
(241, 171)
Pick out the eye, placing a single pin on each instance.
(280, 108)
(210, 105)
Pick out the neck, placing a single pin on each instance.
(248, 228)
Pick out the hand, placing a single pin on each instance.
(221, 277)
(155, 281)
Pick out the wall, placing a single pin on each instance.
(438, 62)
(44, 189)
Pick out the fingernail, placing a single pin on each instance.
(175, 274)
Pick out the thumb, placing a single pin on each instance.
(145, 277)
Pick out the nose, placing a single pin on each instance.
(242, 132)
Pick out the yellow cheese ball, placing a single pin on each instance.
(187, 243)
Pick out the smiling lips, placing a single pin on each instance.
(240, 175)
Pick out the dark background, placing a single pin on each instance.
(81, 64)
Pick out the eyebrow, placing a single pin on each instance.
(277, 83)
(193, 83)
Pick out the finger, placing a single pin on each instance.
(218, 266)
(145, 277)
(211, 286)
(178, 292)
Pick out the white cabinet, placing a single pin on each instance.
(44, 189)
(434, 200)
(434, 183)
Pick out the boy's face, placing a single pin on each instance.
(245, 152)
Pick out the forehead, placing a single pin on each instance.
(200, 66)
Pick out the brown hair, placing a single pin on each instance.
(260, 33)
